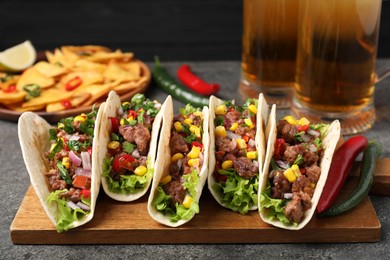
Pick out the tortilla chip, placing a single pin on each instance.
(49, 70)
(114, 72)
(87, 78)
(85, 49)
(50, 95)
(76, 100)
(128, 86)
(85, 65)
(96, 91)
(107, 56)
(132, 66)
(33, 76)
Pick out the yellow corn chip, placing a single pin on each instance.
(33, 76)
(49, 70)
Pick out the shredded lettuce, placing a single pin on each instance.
(127, 184)
(275, 207)
(188, 110)
(237, 193)
(66, 215)
(162, 204)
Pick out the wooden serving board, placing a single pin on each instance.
(129, 223)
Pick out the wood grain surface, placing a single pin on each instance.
(129, 223)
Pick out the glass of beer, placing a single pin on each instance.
(336, 59)
(269, 43)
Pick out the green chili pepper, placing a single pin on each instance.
(172, 87)
(33, 90)
(64, 173)
(370, 155)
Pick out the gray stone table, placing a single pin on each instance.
(14, 182)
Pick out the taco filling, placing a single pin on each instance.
(294, 170)
(70, 168)
(237, 169)
(176, 195)
(126, 167)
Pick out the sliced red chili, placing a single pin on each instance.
(11, 88)
(66, 103)
(132, 113)
(114, 124)
(89, 150)
(123, 161)
(73, 83)
(195, 83)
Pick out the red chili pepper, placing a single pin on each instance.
(195, 83)
(114, 124)
(73, 83)
(66, 103)
(11, 88)
(341, 165)
(123, 161)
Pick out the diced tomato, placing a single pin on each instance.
(11, 88)
(86, 193)
(303, 128)
(66, 103)
(123, 161)
(246, 138)
(132, 113)
(90, 150)
(302, 170)
(65, 145)
(114, 124)
(82, 182)
(280, 147)
(197, 144)
(73, 83)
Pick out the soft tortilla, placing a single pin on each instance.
(34, 140)
(261, 121)
(113, 103)
(329, 143)
(164, 159)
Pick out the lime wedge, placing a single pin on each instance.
(18, 57)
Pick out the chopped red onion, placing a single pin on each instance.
(86, 160)
(313, 132)
(305, 138)
(179, 163)
(282, 164)
(120, 110)
(74, 138)
(83, 206)
(312, 148)
(82, 171)
(136, 154)
(288, 195)
(72, 205)
(157, 105)
(255, 163)
(74, 158)
(232, 135)
(251, 142)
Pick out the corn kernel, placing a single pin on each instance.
(187, 201)
(193, 128)
(198, 113)
(79, 118)
(289, 174)
(122, 122)
(66, 162)
(52, 146)
(140, 170)
(295, 169)
(194, 153)
(113, 145)
(241, 144)
(252, 108)
(178, 126)
(221, 110)
(291, 120)
(233, 127)
(227, 164)
(60, 125)
(197, 133)
(303, 121)
(249, 123)
(188, 121)
(166, 179)
(220, 131)
(130, 118)
(176, 157)
(125, 103)
(251, 155)
(313, 185)
(193, 162)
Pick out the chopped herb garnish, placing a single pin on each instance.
(128, 147)
(53, 134)
(299, 160)
(33, 90)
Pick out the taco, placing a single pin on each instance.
(296, 166)
(128, 142)
(62, 162)
(182, 166)
(237, 151)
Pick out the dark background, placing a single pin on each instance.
(172, 29)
